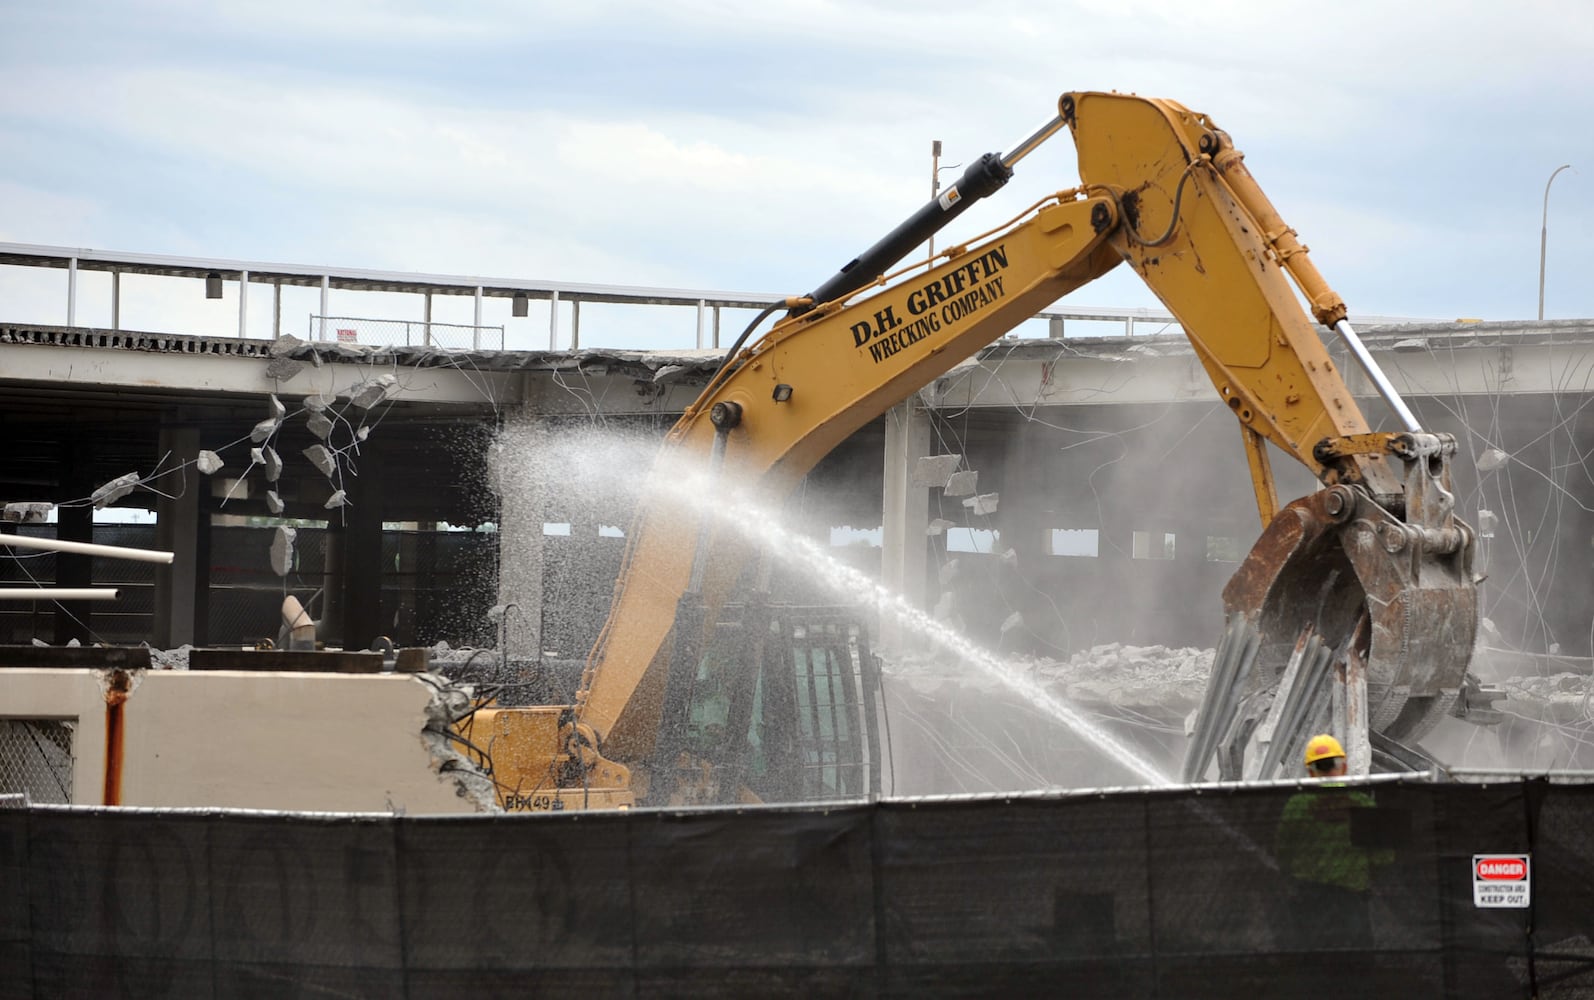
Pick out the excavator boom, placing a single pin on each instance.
(1165, 191)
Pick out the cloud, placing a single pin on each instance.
(758, 147)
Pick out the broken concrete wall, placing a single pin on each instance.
(249, 740)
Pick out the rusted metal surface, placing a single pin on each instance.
(119, 683)
(1329, 556)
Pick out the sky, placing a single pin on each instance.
(758, 147)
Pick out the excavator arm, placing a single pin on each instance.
(1165, 191)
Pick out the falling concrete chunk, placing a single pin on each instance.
(362, 432)
(668, 373)
(316, 403)
(938, 526)
(208, 462)
(935, 470)
(273, 502)
(368, 394)
(285, 344)
(336, 500)
(272, 462)
(948, 571)
(278, 411)
(1492, 459)
(985, 503)
(1012, 622)
(319, 425)
(321, 459)
(114, 490)
(264, 429)
(283, 369)
(961, 484)
(282, 550)
(27, 512)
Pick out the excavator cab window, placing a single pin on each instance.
(786, 708)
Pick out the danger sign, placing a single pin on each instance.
(1501, 880)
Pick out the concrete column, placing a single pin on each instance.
(516, 466)
(362, 556)
(905, 514)
(329, 625)
(177, 530)
(409, 583)
(427, 630)
(74, 524)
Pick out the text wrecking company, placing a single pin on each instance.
(951, 298)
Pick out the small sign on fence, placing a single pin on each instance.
(1501, 880)
(347, 336)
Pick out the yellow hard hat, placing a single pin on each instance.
(1323, 746)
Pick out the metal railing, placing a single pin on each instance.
(405, 333)
(214, 278)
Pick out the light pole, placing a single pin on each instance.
(1544, 232)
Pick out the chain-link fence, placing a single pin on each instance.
(406, 333)
(36, 759)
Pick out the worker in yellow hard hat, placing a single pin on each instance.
(1325, 758)
(1331, 875)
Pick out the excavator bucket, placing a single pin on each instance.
(1365, 589)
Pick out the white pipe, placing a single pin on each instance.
(85, 548)
(1381, 382)
(57, 593)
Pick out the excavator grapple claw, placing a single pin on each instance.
(1394, 593)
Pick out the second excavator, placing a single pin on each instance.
(1363, 588)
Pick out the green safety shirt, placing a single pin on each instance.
(1314, 843)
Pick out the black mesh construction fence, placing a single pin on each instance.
(1261, 892)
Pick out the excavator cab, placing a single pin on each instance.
(781, 708)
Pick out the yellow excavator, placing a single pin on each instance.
(1366, 583)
